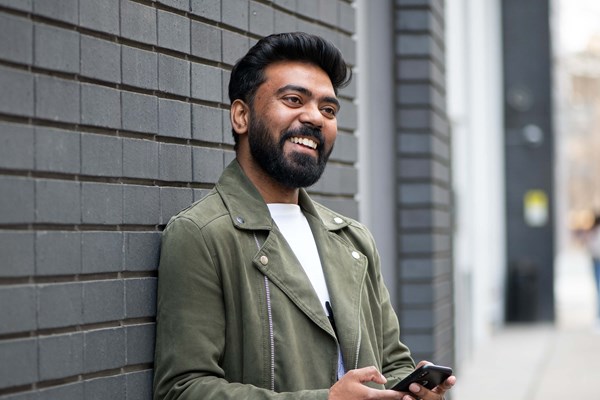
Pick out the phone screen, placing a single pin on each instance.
(428, 375)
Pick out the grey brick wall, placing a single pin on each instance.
(113, 117)
(423, 182)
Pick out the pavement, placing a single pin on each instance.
(543, 361)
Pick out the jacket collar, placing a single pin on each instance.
(248, 210)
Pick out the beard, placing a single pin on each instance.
(297, 170)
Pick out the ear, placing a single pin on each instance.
(239, 114)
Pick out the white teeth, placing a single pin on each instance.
(304, 141)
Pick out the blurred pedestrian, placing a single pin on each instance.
(593, 245)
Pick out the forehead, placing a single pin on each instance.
(297, 73)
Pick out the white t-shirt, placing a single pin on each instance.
(295, 229)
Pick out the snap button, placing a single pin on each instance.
(338, 220)
(264, 260)
(355, 255)
(239, 219)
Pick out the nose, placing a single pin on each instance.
(311, 115)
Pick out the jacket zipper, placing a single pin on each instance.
(270, 320)
(359, 332)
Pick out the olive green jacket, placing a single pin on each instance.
(239, 319)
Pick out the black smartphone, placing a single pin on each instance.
(428, 375)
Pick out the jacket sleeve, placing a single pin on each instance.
(190, 325)
(397, 361)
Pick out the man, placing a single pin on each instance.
(263, 293)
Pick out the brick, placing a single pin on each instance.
(17, 200)
(71, 391)
(62, 10)
(59, 305)
(261, 19)
(173, 31)
(17, 92)
(107, 388)
(347, 17)
(173, 200)
(140, 297)
(328, 11)
(101, 16)
(103, 301)
(23, 365)
(18, 310)
(17, 249)
(227, 130)
(284, 22)
(235, 13)
(207, 123)
(142, 251)
(140, 67)
(183, 5)
(101, 155)
(47, 90)
(173, 75)
(287, 4)
(57, 150)
(100, 106)
(228, 157)
(22, 396)
(209, 9)
(206, 82)
(308, 8)
(347, 46)
(234, 47)
(140, 343)
(57, 253)
(101, 252)
(56, 48)
(206, 41)
(139, 385)
(346, 148)
(138, 22)
(174, 118)
(101, 203)
(424, 243)
(207, 164)
(200, 193)
(140, 158)
(348, 115)
(57, 201)
(16, 146)
(104, 349)
(427, 218)
(16, 39)
(139, 112)
(94, 49)
(141, 205)
(175, 162)
(60, 356)
(24, 5)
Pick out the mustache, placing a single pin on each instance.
(305, 131)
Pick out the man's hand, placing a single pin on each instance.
(437, 393)
(350, 386)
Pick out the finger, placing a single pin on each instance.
(423, 362)
(368, 374)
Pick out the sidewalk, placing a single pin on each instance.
(543, 362)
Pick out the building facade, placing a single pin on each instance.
(114, 116)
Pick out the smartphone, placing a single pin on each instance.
(428, 375)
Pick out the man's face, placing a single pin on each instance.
(293, 123)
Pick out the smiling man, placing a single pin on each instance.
(264, 293)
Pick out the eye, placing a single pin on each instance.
(329, 111)
(294, 100)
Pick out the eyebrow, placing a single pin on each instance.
(306, 92)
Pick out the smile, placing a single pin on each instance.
(304, 141)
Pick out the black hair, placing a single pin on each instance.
(248, 73)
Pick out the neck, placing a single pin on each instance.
(270, 190)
